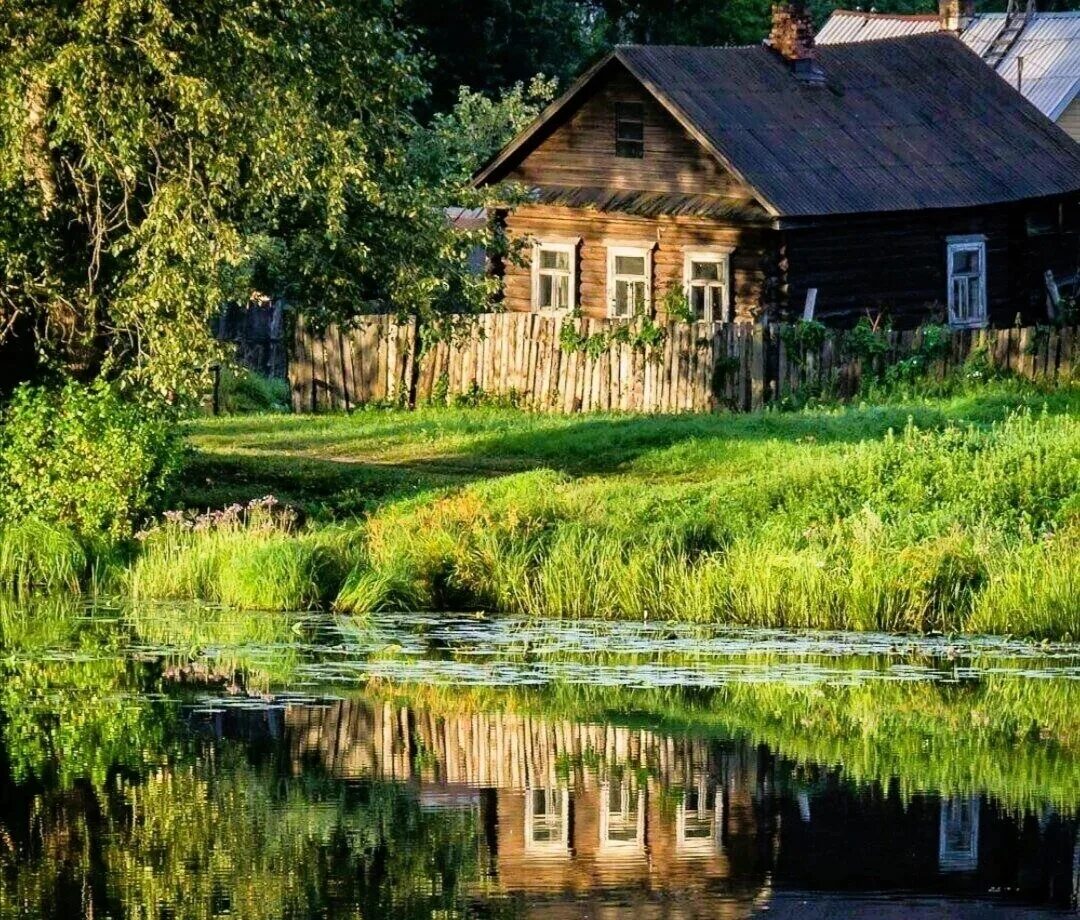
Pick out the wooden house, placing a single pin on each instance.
(1036, 52)
(897, 176)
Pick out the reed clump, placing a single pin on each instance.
(250, 556)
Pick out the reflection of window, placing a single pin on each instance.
(706, 281)
(630, 130)
(958, 841)
(622, 817)
(547, 820)
(629, 280)
(554, 276)
(967, 280)
(697, 821)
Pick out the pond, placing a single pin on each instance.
(196, 762)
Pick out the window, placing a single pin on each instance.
(698, 819)
(967, 280)
(547, 820)
(554, 276)
(622, 817)
(629, 281)
(630, 130)
(705, 276)
(958, 835)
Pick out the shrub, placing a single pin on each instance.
(84, 458)
(243, 391)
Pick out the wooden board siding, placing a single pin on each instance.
(581, 151)
(897, 264)
(753, 255)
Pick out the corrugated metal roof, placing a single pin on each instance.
(855, 26)
(1049, 46)
(901, 124)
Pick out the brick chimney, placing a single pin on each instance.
(956, 15)
(792, 37)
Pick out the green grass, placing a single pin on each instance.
(953, 514)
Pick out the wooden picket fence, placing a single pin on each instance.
(526, 359)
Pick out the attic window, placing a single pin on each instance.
(630, 130)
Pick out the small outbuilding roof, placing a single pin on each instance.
(1049, 45)
(899, 124)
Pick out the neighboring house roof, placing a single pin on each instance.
(900, 124)
(1049, 45)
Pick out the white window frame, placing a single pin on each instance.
(556, 845)
(569, 247)
(631, 815)
(633, 250)
(974, 243)
(702, 816)
(722, 257)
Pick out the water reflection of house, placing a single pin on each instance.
(583, 814)
(577, 808)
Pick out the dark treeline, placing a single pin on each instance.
(489, 45)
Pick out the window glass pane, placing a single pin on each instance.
(555, 258)
(561, 294)
(630, 265)
(697, 301)
(545, 293)
(622, 298)
(704, 271)
(629, 130)
(965, 261)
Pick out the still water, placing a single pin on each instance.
(195, 763)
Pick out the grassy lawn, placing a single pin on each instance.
(944, 514)
(335, 466)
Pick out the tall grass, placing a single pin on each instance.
(251, 557)
(35, 556)
(950, 530)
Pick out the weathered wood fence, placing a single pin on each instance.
(258, 332)
(529, 360)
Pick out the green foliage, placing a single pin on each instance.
(161, 159)
(84, 458)
(456, 143)
(250, 557)
(37, 556)
(242, 391)
(642, 334)
(912, 532)
(865, 342)
(803, 338)
(676, 305)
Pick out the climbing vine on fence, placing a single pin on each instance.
(646, 336)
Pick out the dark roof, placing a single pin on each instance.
(900, 124)
(646, 203)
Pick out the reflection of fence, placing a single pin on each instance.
(580, 365)
(497, 750)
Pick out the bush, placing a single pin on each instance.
(84, 458)
(243, 391)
